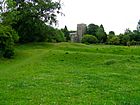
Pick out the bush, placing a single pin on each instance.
(124, 39)
(55, 35)
(89, 39)
(58, 36)
(7, 38)
(114, 40)
(8, 53)
(133, 42)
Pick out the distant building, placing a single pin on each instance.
(73, 36)
(81, 29)
(77, 36)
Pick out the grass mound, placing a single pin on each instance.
(71, 74)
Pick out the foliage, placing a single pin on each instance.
(31, 30)
(135, 35)
(114, 40)
(55, 35)
(124, 39)
(101, 34)
(32, 20)
(66, 33)
(127, 38)
(89, 39)
(92, 29)
(59, 36)
(130, 34)
(7, 38)
(111, 33)
(8, 12)
(29, 18)
(44, 10)
(138, 26)
(133, 42)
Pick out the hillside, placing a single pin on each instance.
(71, 74)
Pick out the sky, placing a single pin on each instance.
(115, 15)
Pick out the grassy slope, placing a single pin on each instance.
(71, 74)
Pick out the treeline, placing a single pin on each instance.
(97, 34)
(23, 21)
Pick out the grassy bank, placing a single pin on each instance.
(71, 74)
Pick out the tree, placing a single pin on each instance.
(138, 26)
(59, 36)
(7, 38)
(54, 35)
(135, 35)
(124, 39)
(8, 12)
(66, 33)
(89, 39)
(101, 34)
(32, 16)
(92, 29)
(110, 36)
(111, 33)
(114, 40)
(44, 10)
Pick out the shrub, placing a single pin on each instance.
(124, 39)
(114, 40)
(55, 35)
(8, 53)
(133, 42)
(89, 39)
(7, 38)
(59, 36)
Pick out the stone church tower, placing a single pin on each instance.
(81, 29)
(77, 36)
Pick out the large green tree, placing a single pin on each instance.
(124, 39)
(66, 33)
(101, 34)
(32, 17)
(111, 33)
(8, 12)
(44, 10)
(110, 36)
(8, 36)
(92, 29)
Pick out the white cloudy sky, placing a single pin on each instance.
(115, 15)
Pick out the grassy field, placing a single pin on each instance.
(71, 74)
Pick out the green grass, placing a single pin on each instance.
(71, 74)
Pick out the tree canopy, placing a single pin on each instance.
(30, 19)
(92, 29)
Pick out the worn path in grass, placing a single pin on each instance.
(71, 74)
